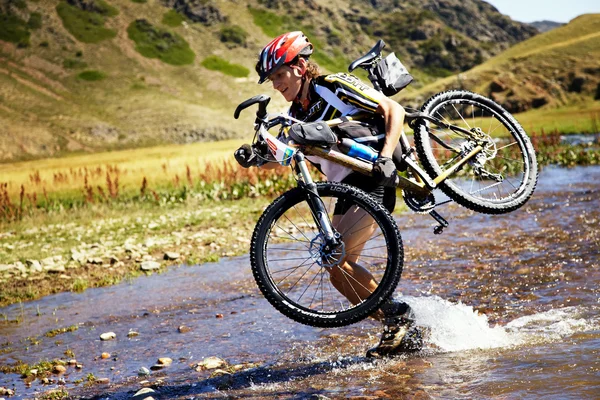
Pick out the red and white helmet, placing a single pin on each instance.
(280, 51)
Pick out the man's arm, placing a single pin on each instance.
(393, 114)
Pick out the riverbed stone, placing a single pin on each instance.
(78, 256)
(108, 336)
(150, 265)
(143, 394)
(166, 361)
(143, 371)
(6, 267)
(171, 255)
(6, 391)
(210, 363)
(34, 265)
(21, 267)
(59, 369)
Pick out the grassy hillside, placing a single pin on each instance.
(118, 80)
(552, 70)
(89, 75)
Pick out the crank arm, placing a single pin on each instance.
(440, 220)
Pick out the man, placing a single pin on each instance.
(285, 63)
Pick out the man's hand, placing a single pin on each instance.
(245, 156)
(384, 171)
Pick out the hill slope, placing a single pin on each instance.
(85, 75)
(557, 68)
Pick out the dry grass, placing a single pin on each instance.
(162, 174)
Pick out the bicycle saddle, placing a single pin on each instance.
(367, 58)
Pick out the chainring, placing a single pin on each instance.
(420, 206)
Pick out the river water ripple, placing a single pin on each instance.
(510, 302)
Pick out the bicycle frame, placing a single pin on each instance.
(421, 185)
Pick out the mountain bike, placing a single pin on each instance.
(467, 145)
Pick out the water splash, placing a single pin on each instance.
(554, 324)
(457, 327)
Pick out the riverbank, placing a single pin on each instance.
(102, 245)
(79, 223)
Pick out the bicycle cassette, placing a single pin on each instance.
(419, 205)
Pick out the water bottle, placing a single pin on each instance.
(357, 150)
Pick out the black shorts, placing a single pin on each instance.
(381, 194)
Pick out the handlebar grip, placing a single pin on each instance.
(262, 100)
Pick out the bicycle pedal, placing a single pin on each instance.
(442, 222)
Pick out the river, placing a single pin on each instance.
(511, 304)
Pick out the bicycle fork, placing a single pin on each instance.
(320, 215)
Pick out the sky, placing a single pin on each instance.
(552, 10)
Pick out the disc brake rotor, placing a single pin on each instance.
(324, 256)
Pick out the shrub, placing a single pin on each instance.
(13, 29)
(153, 42)
(216, 63)
(91, 75)
(35, 21)
(172, 18)
(233, 34)
(20, 4)
(86, 26)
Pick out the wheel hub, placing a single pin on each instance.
(326, 255)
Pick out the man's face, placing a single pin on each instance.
(287, 80)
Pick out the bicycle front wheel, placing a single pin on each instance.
(499, 179)
(312, 284)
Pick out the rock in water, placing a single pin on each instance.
(108, 336)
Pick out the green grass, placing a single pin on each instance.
(86, 26)
(92, 75)
(233, 34)
(172, 18)
(35, 21)
(270, 23)
(13, 29)
(217, 63)
(59, 331)
(154, 42)
(565, 120)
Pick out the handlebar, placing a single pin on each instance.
(262, 100)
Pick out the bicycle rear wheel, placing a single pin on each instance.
(293, 270)
(502, 177)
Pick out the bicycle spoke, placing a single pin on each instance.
(309, 276)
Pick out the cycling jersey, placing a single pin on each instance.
(333, 96)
